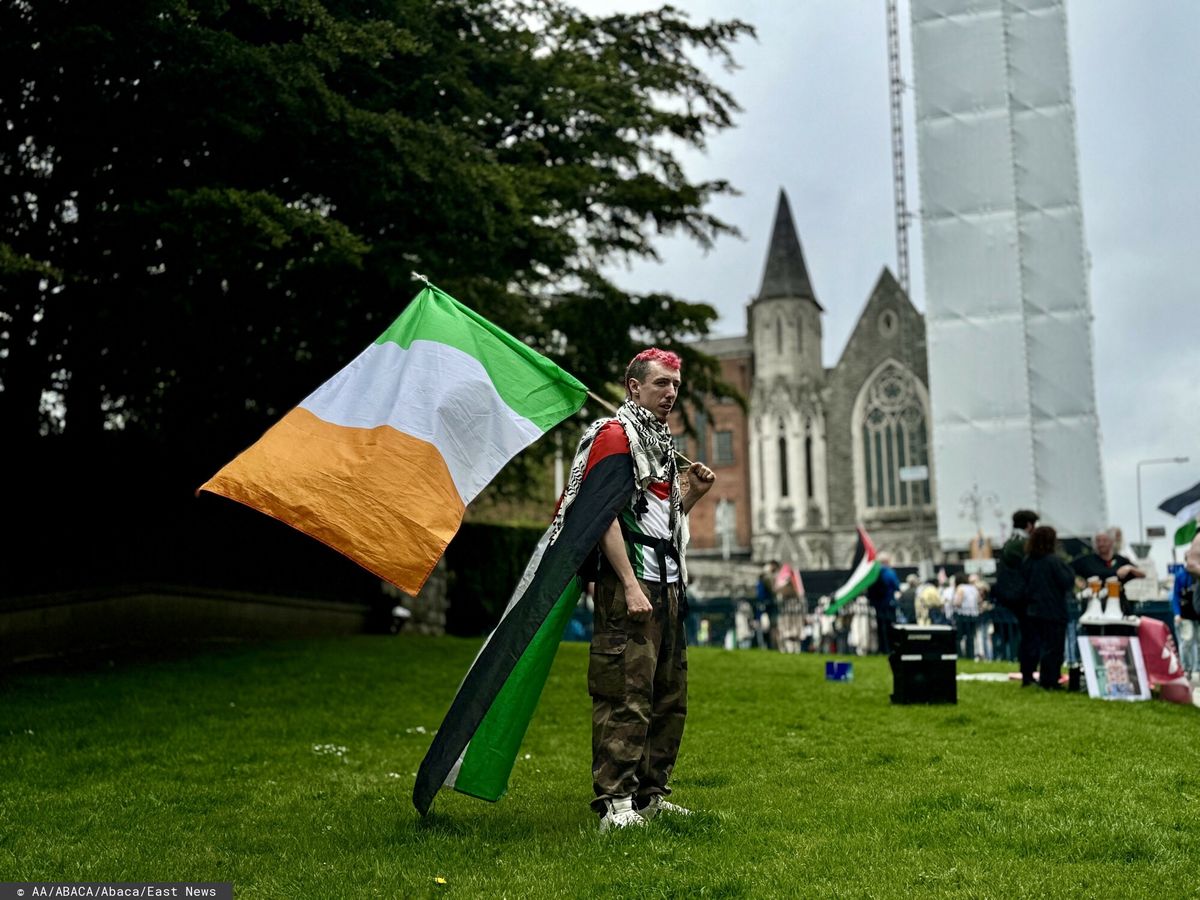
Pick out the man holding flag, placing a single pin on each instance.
(637, 672)
(380, 463)
(620, 522)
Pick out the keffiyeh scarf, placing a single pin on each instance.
(653, 452)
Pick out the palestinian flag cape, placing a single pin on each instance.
(863, 573)
(477, 743)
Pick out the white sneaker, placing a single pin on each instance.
(619, 813)
(658, 804)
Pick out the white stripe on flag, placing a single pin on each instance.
(1188, 512)
(433, 392)
(856, 576)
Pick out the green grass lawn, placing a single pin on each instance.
(287, 768)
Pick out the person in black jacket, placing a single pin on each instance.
(1009, 591)
(1049, 584)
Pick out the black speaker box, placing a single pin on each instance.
(924, 664)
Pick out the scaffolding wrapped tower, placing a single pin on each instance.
(1008, 316)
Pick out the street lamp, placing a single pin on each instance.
(1150, 462)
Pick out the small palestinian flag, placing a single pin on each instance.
(1185, 533)
(788, 580)
(863, 573)
(1184, 506)
(477, 743)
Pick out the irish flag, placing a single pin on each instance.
(381, 461)
(864, 571)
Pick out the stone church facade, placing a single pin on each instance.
(819, 449)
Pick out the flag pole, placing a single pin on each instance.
(612, 409)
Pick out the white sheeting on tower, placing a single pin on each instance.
(1008, 317)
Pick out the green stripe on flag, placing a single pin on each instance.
(851, 590)
(1185, 533)
(528, 382)
(489, 758)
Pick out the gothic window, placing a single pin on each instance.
(783, 467)
(808, 463)
(892, 434)
(779, 335)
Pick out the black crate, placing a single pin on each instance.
(923, 639)
(924, 664)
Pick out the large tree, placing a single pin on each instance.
(211, 205)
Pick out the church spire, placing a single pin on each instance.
(785, 274)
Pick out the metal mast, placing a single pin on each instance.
(897, 110)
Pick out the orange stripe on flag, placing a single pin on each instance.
(354, 489)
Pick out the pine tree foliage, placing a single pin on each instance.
(212, 205)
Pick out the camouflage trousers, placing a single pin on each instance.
(637, 676)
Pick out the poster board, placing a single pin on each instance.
(1114, 667)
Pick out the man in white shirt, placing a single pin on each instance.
(637, 672)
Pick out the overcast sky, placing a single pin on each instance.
(814, 88)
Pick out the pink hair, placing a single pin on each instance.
(653, 354)
(639, 366)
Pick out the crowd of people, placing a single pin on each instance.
(783, 620)
(1029, 613)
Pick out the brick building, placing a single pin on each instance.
(721, 440)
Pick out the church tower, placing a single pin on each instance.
(785, 317)
(787, 427)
